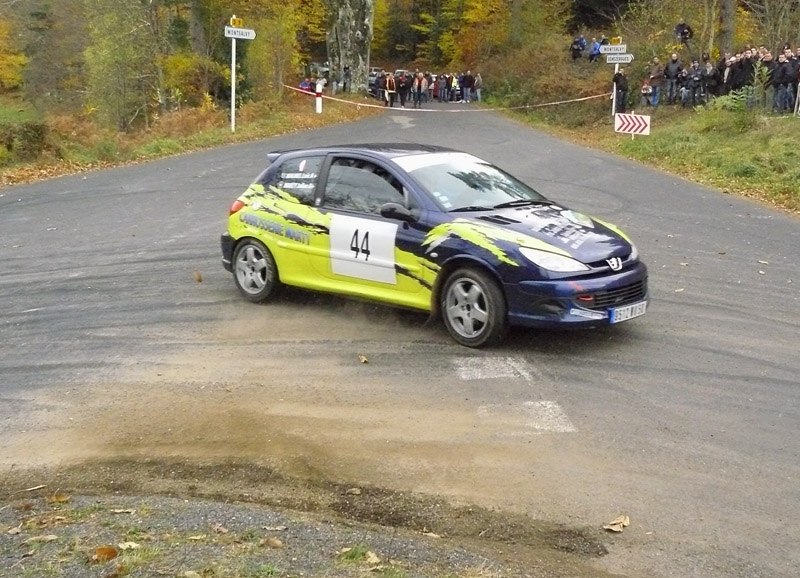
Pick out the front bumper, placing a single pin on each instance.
(578, 303)
(227, 242)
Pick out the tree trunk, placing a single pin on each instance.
(197, 31)
(727, 25)
(348, 39)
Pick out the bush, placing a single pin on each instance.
(24, 141)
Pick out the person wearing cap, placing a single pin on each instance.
(694, 85)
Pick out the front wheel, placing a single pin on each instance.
(473, 308)
(254, 271)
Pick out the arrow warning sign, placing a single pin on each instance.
(632, 123)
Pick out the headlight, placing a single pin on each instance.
(552, 262)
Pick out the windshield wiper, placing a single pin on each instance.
(521, 203)
(471, 208)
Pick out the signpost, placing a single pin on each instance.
(632, 123)
(619, 58)
(614, 49)
(233, 32)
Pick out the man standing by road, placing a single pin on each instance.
(621, 88)
(469, 83)
(672, 72)
(656, 79)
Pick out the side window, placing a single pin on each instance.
(297, 176)
(362, 186)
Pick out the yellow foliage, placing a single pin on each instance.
(12, 62)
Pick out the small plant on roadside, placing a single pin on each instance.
(357, 553)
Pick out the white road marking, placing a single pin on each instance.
(539, 416)
(470, 368)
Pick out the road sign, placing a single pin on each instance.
(632, 123)
(616, 40)
(614, 49)
(240, 33)
(237, 22)
(619, 58)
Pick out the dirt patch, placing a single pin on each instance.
(92, 499)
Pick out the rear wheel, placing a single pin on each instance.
(254, 271)
(473, 308)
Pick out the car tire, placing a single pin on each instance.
(473, 308)
(254, 271)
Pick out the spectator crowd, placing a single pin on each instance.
(419, 88)
(699, 80)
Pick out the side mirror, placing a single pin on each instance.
(397, 211)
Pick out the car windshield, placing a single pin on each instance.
(462, 182)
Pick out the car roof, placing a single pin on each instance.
(385, 150)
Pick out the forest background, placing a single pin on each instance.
(94, 82)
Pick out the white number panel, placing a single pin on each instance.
(363, 248)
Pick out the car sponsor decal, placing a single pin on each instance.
(485, 236)
(613, 228)
(363, 248)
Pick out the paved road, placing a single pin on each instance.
(687, 419)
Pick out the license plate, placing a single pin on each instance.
(621, 314)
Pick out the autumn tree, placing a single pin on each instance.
(12, 61)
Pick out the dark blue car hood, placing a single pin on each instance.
(586, 239)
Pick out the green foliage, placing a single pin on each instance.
(275, 51)
(188, 77)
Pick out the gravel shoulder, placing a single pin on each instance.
(236, 519)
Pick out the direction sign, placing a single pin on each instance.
(614, 49)
(619, 58)
(632, 123)
(240, 33)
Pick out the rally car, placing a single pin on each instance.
(433, 229)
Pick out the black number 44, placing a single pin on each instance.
(360, 245)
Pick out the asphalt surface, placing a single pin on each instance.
(685, 419)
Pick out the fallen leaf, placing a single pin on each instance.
(618, 524)
(15, 530)
(27, 554)
(104, 554)
(431, 535)
(121, 511)
(681, 290)
(764, 262)
(363, 359)
(371, 558)
(45, 538)
(128, 546)
(354, 491)
(684, 264)
(761, 273)
(120, 570)
(271, 542)
(274, 528)
(220, 529)
(197, 538)
(58, 498)
(198, 276)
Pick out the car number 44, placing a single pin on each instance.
(620, 314)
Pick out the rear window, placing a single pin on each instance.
(297, 176)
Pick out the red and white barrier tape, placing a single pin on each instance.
(311, 93)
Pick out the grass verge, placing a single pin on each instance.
(747, 153)
(76, 144)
